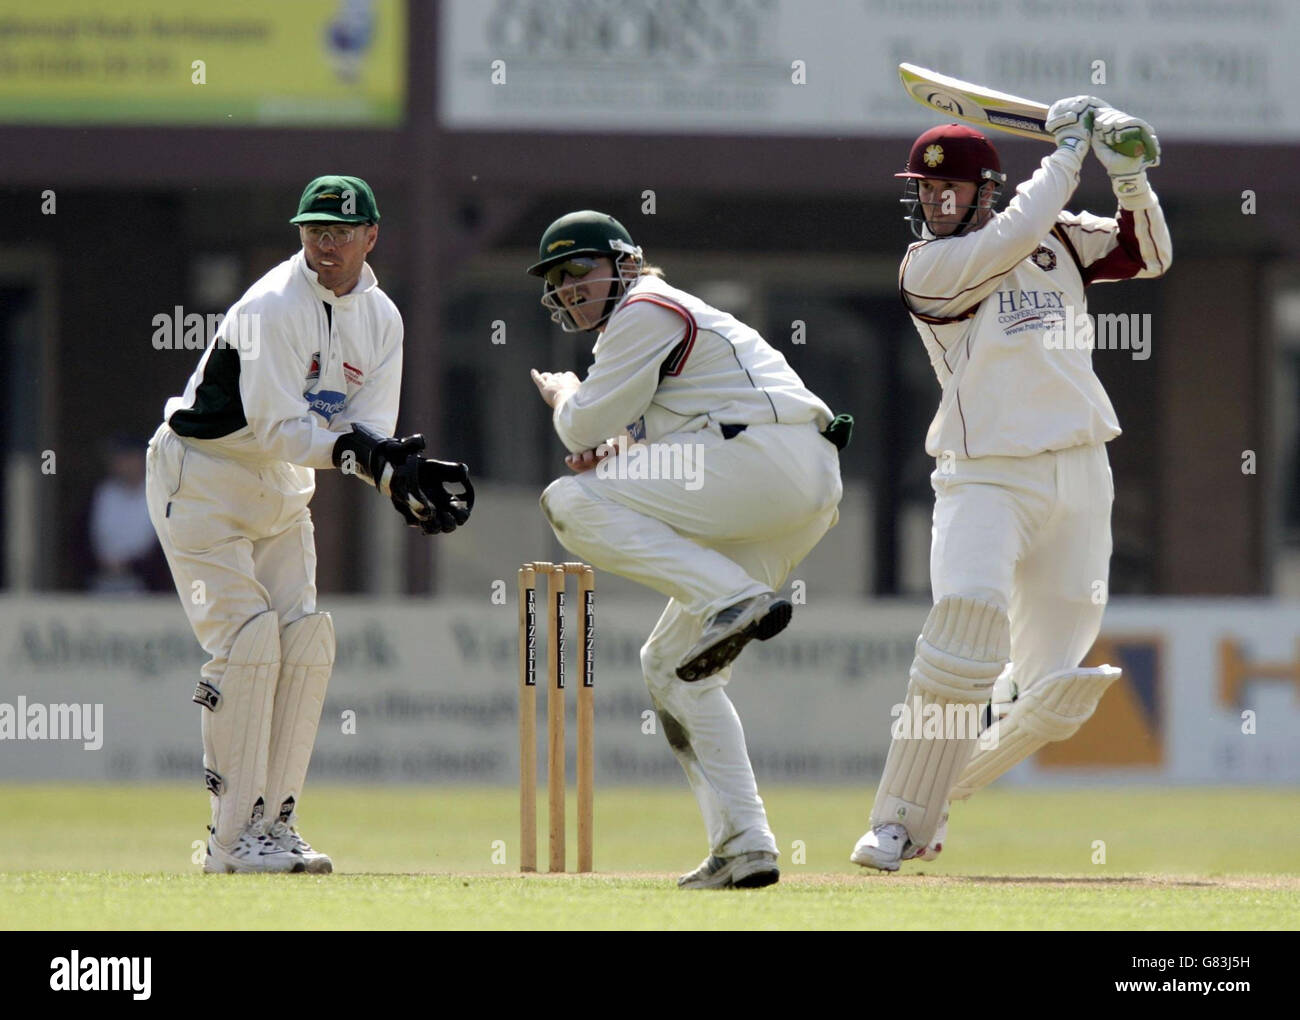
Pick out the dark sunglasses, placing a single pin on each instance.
(576, 267)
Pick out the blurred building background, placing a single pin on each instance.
(152, 152)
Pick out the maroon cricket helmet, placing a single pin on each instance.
(954, 152)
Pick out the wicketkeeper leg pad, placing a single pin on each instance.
(237, 725)
(1052, 709)
(963, 647)
(306, 662)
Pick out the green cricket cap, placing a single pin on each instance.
(336, 199)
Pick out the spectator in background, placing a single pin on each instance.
(123, 544)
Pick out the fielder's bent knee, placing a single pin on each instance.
(561, 500)
(964, 645)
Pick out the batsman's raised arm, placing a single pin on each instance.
(1135, 244)
(956, 176)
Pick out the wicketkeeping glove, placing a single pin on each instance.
(416, 485)
(1070, 122)
(428, 503)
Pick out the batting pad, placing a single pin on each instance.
(237, 729)
(1052, 709)
(306, 661)
(964, 646)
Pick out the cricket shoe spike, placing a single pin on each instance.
(883, 848)
(731, 629)
(751, 870)
(253, 851)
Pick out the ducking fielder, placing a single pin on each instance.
(1021, 538)
(304, 373)
(731, 477)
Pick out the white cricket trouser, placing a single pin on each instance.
(760, 503)
(238, 538)
(1033, 535)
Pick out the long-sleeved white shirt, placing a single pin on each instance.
(292, 367)
(991, 307)
(667, 362)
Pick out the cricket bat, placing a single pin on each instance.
(990, 108)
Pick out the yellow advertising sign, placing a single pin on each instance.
(239, 62)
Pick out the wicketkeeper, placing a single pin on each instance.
(304, 373)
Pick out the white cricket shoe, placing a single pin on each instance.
(287, 837)
(882, 848)
(751, 870)
(253, 851)
(731, 629)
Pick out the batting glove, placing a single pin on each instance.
(1126, 146)
(1070, 122)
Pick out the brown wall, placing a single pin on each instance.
(1212, 408)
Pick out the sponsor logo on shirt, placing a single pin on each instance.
(353, 374)
(313, 371)
(1019, 310)
(1026, 300)
(326, 403)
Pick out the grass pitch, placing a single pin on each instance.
(89, 858)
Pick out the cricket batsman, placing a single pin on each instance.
(1021, 537)
(680, 382)
(304, 373)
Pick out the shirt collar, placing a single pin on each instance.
(367, 282)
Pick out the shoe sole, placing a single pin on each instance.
(875, 866)
(213, 868)
(762, 877)
(866, 862)
(758, 879)
(718, 657)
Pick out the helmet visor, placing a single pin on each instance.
(577, 267)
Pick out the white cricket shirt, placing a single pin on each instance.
(991, 307)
